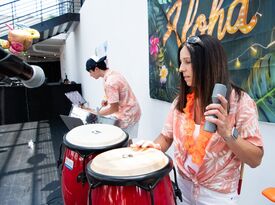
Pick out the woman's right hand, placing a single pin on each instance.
(143, 144)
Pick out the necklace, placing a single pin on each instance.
(196, 148)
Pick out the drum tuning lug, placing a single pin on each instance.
(178, 194)
(81, 178)
(177, 191)
(58, 163)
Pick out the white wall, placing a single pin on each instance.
(123, 23)
(256, 180)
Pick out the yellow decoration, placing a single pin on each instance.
(163, 72)
(19, 40)
(173, 26)
(4, 44)
(217, 15)
(34, 33)
(253, 51)
(237, 63)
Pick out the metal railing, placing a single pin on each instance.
(26, 13)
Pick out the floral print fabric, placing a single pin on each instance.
(220, 168)
(117, 90)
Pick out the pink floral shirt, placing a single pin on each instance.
(220, 170)
(117, 90)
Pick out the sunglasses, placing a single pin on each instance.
(194, 40)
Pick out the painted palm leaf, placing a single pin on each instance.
(166, 56)
(261, 86)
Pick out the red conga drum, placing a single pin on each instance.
(82, 144)
(127, 176)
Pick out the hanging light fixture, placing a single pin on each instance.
(237, 63)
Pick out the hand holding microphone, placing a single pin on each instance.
(221, 90)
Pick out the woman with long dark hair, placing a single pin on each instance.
(208, 164)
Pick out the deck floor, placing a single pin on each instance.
(29, 175)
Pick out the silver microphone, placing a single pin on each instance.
(37, 78)
(218, 89)
(12, 66)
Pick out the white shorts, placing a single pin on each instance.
(206, 196)
(132, 130)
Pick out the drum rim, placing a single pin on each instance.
(127, 180)
(94, 149)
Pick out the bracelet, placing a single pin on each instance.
(233, 136)
(227, 139)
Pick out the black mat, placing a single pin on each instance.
(29, 175)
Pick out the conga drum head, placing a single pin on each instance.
(95, 137)
(125, 165)
(82, 144)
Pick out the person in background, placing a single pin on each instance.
(120, 100)
(208, 164)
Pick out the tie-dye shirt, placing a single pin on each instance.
(220, 170)
(117, 90)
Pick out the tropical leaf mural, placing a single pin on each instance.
(163, 59)
(246, 29)
(261, 86)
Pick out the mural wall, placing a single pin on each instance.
(246, 29)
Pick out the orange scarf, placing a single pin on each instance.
(196, 148)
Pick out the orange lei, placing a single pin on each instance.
(195, 148)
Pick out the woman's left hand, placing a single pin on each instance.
(221, 112)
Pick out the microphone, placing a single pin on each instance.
(218, 89)
(32, 76)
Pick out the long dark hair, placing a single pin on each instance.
(209, 64)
